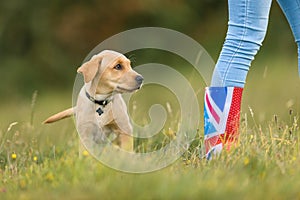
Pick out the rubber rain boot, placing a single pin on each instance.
(222, 107)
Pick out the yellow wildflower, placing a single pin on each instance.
(49, 177)
(14, 156)
(246, 161)
(85, 153)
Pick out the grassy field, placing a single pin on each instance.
(38, 161)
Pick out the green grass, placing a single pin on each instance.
(265, 164)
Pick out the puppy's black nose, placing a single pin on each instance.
(139, 79)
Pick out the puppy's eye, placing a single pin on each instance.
(118, 67)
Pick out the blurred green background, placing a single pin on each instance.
(43, 42)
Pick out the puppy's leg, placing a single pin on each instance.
(125, 142)
(122, 125)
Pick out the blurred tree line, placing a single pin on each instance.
(43, 42)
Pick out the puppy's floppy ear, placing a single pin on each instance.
(90, 68)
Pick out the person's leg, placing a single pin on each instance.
(248, 20)
(291, 9)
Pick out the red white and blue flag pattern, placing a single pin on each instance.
(221, 117)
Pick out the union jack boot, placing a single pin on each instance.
(222, 107)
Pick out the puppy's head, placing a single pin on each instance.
(112, 72)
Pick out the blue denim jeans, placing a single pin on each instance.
(247, 26)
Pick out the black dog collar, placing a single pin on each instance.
(99, 102)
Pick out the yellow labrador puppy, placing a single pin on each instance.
(100, 110)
